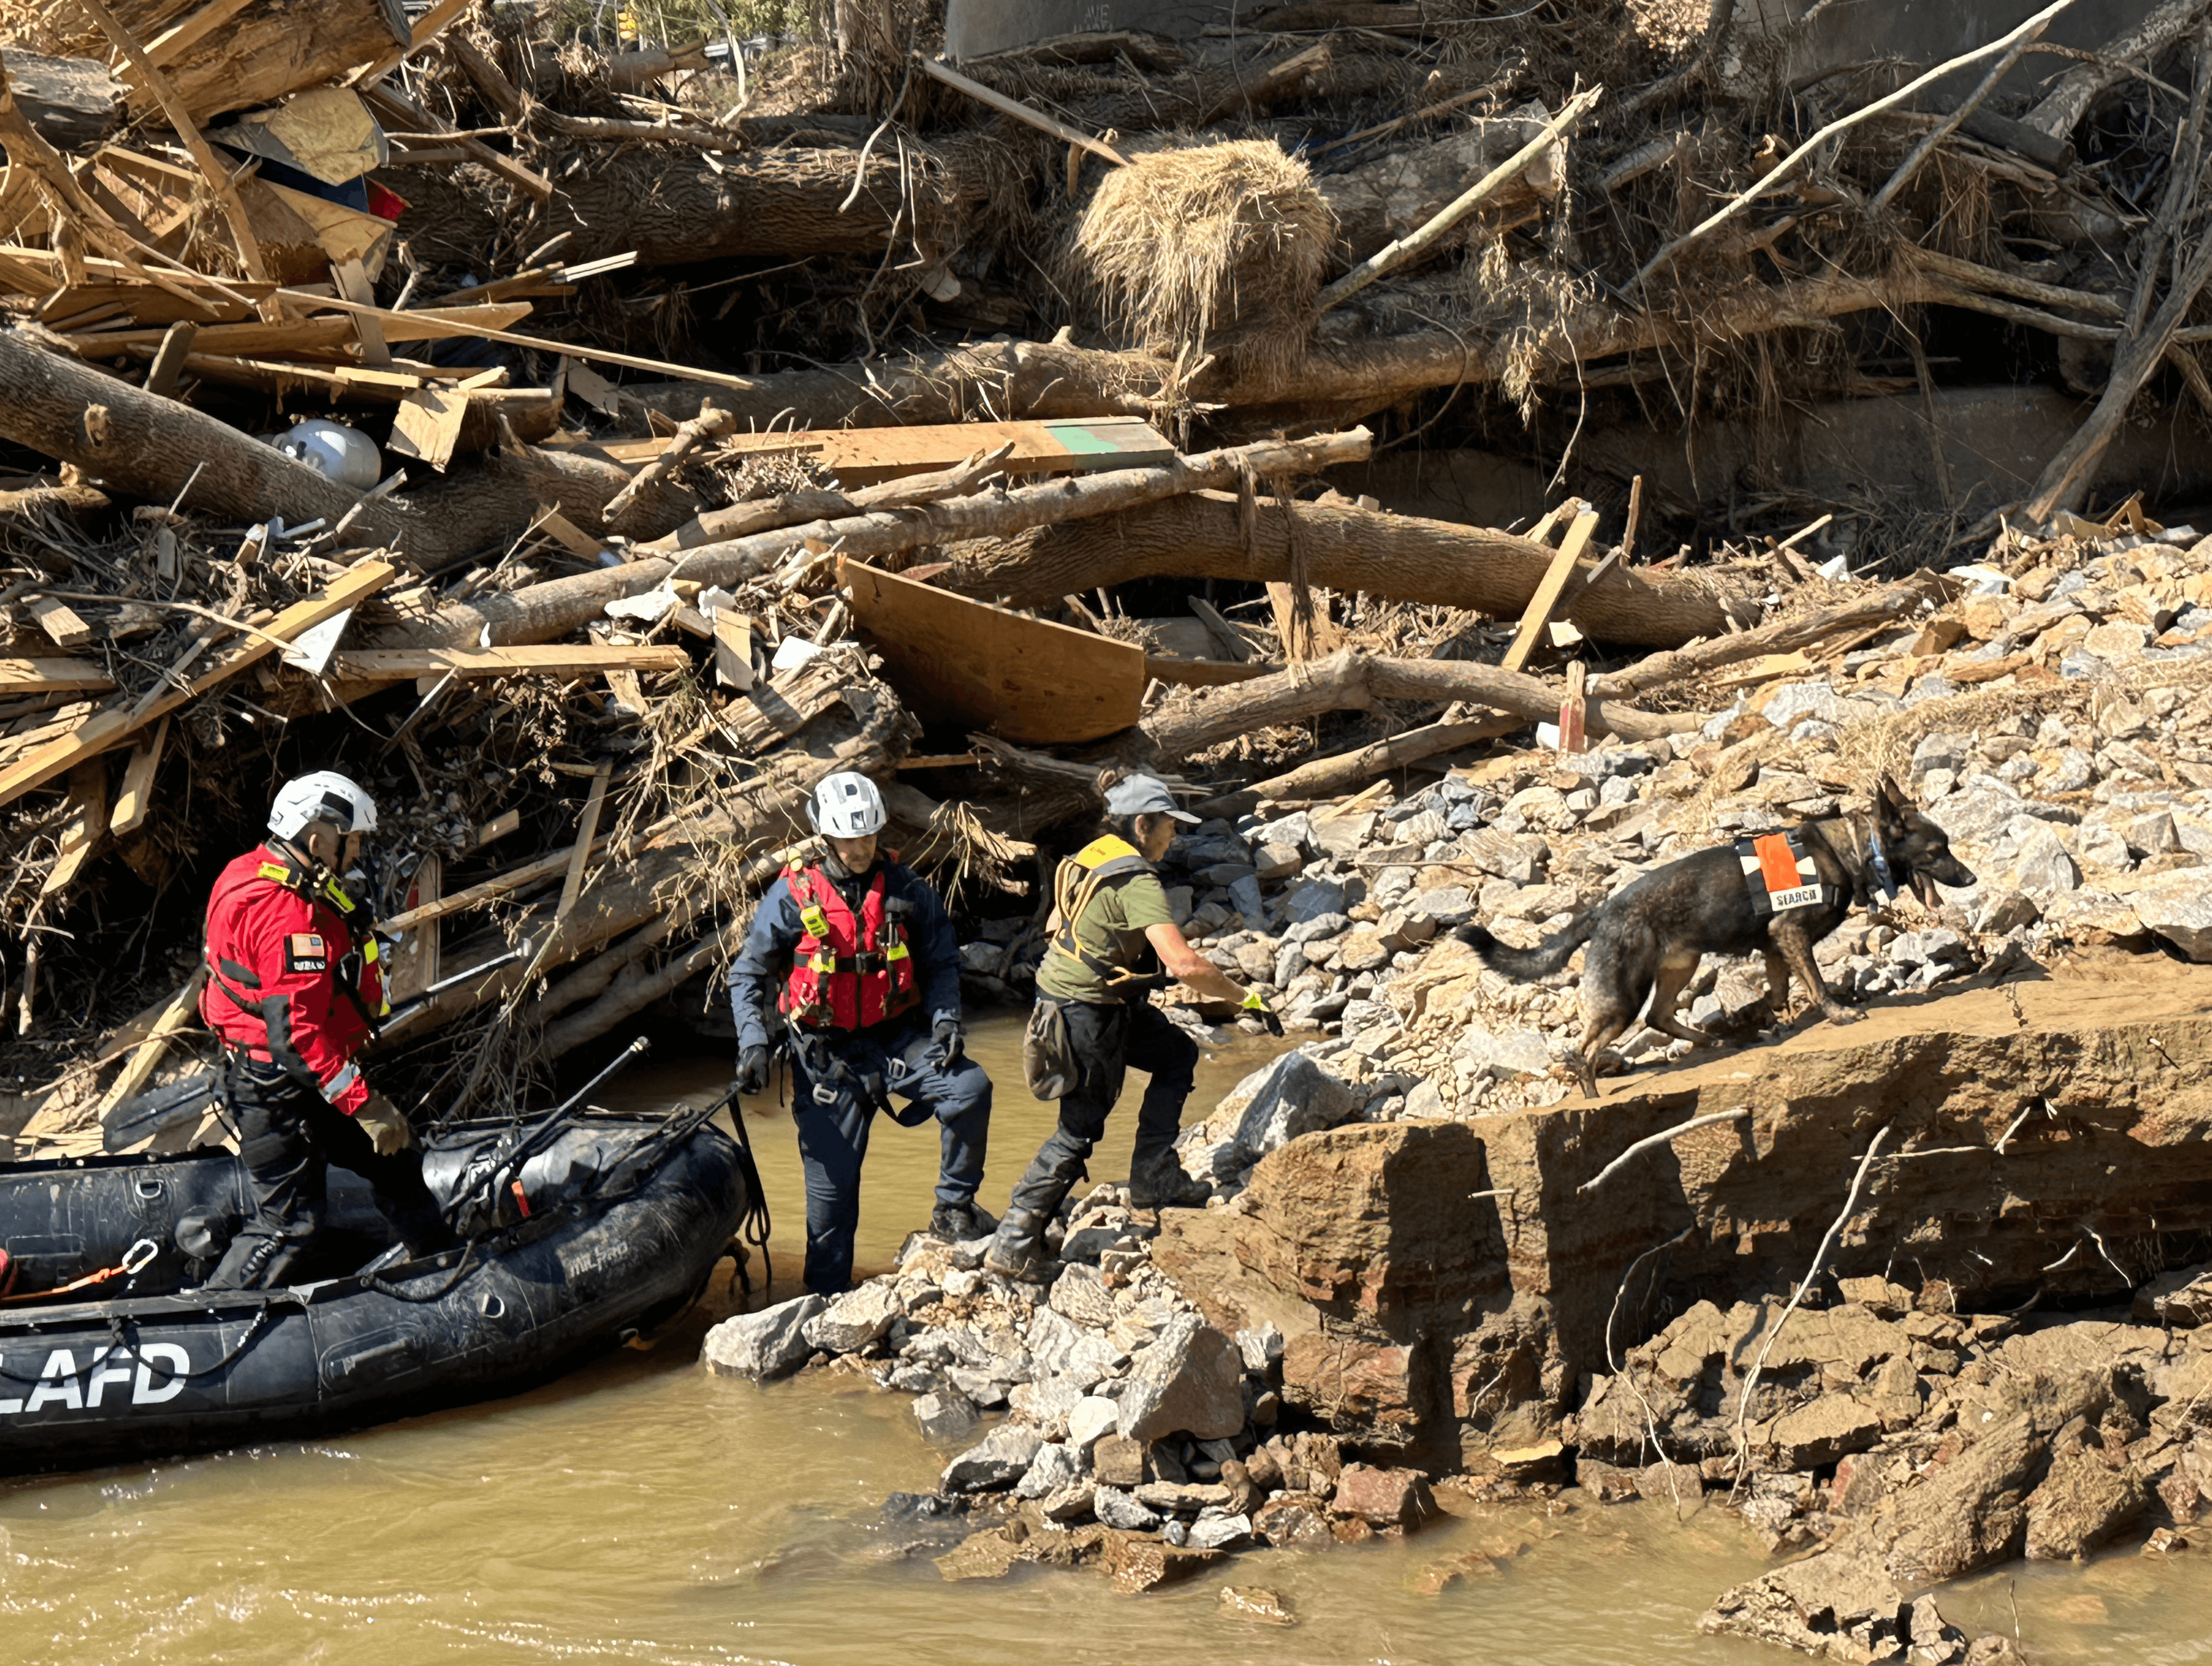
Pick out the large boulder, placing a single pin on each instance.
(1844, 1608)
(1190, 1380)
(768, 1343)
(1001, 1459)
(1276, 1104)
(2083, 1501)
(2177, 906)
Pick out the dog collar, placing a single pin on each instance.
(1881, 864)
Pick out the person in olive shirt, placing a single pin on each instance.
(1116, 941)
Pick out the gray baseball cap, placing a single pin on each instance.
(1145, 795)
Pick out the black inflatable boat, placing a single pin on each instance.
(584, 1232)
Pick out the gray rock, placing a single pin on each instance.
(2153, 834)
(1054, 1467)
(1520, 857)
(1116, 1508)
(2177, 906)
(1080, 1293)
(1978, 812)
(1219, 1532)
(1447, 905)
(1046, 1405)
(1317, 927)
(1250, 904)
(762, 1344)
(1094, 1417)
(1314, 899)
(1276, 860)
(1946, 750)
(856, 1318)
(1260, 1348)
(1190, 1380)
(2003, 911)
(1522, 1052)
(1001, 1459)
(2071, 771)
(1060, 1347)
(1276, 1104)
(947, 1414)
(2042, 868)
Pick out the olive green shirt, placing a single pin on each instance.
(1113, 927)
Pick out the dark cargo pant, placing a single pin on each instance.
(287, 1136)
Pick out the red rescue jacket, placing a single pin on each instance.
(293, 973)
(846, 972)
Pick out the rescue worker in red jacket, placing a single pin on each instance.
(858, 955)
(294, 989)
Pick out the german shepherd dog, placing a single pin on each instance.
(1647, 938)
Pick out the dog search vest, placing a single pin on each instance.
(1779, 873)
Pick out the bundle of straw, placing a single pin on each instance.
(1215, 248)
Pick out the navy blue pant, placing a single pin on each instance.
(833, 1127)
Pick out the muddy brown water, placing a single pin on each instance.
(640, 1510)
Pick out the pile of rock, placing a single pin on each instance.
(1135, 1435)
(2055, 719)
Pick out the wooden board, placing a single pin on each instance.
(395, 664)
(862, 457)
(52, 676)
(1553, 586)
(1021, 680)
(1204, 673)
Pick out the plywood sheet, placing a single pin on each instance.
(1021, 679)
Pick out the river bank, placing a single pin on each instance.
(644, 1512)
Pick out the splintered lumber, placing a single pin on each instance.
(540, 612)
(1549, 589)
(580, 855)
(1350, 681)
(1344, 548)
(1023, 679)
(118, 721)
(795, 508)
(255, 53)
(733, 649)
(134, 799)
(86, 828)
(60, 622)
(559, 659)
(52, 676)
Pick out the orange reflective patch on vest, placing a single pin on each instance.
(1780, 871)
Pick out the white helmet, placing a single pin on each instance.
(846, 805)
(324, 796)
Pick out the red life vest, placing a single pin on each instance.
(846, 972)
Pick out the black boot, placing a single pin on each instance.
(961, 1223)
(1017, 1251)
(1158, 1180)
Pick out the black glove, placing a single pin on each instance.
(949, 1036)
(1254, 1005)
(752, 1070)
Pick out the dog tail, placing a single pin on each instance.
(1524, 964)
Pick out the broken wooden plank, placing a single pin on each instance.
(169, 367)
(1226, 636)
(396, 665)
(179, 1013)
(497, 828)
(117, 722)
(580, 855)
(87, 825)
(60, 621)
(1204, 673)
(52, 676)
(1549, 589)
(1574, 710)
(135, 796)
(1023, 679)
(733, 649)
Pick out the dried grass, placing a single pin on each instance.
(1215, 248)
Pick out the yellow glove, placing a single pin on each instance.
(386, 1128)
(1256, 1005)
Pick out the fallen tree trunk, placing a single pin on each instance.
(1895, 601)
(1342, 772)
(807, 503)
(1344, 548)
(72, 103)
(634, 988)
(144, 445)
(999, 381)
(666, 203)
(540, 611)
(1350, 681)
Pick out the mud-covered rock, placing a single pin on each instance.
(1843, 1607)
(1383, 1498)
(859, 1317)
(2083, 1501)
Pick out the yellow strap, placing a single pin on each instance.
(276, 871)
(1106, 848)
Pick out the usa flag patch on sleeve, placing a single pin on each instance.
(304, 953)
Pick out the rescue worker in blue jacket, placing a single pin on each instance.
(858, 955)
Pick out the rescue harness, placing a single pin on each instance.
(1080, 878)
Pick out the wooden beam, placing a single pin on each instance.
(395, 664)
(52, 676)
(580, 855)
(1549, 589)
(135, 796)
(115, 723)
(87, 824)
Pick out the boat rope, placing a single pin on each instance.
(135, 1259)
